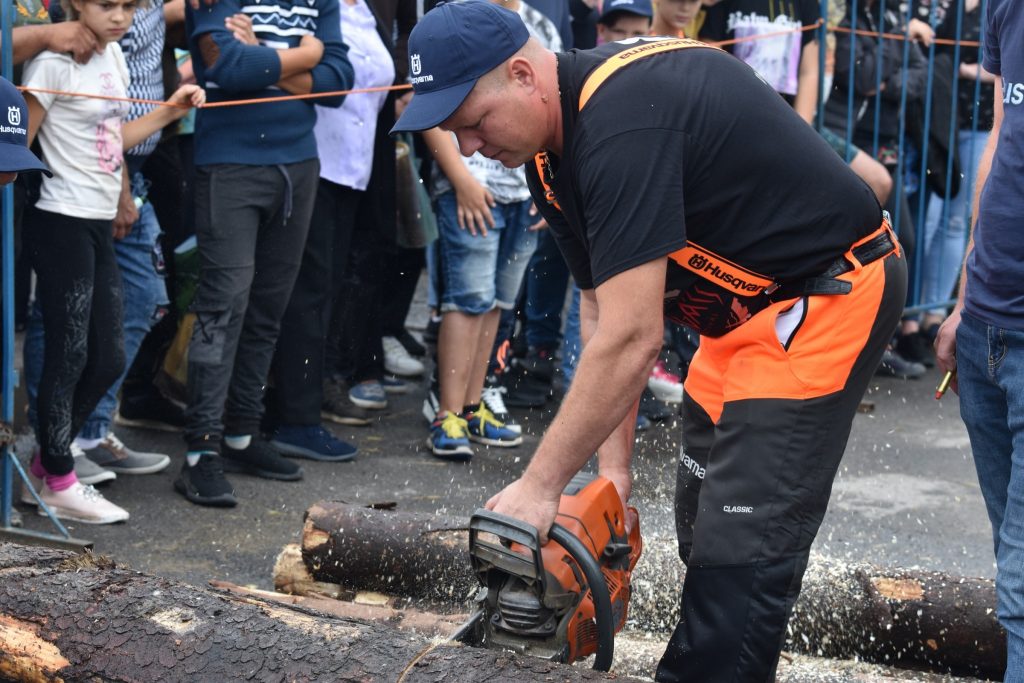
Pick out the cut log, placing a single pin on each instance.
(65, 617)
(636, 654)
(910, 618)
(363, 548)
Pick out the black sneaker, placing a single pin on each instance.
(894, 365)
(916, 349)
(259, 459)
(653, 409)
(432, 330)
(151, 411)
(338, 407)
(524, 390)
(205, 484)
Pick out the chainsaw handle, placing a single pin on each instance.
(598, 591)
(507, 529)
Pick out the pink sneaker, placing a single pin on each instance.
(664, 385)
(82, 503)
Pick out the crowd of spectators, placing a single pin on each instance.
(242, 274)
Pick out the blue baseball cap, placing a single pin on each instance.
(640, 7)
(15, 155)
(451, 47)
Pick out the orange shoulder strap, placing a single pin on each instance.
(644, 48)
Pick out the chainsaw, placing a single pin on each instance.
(562, 601)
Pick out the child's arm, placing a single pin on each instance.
(36, 114)
(134, 132)
(806, 101)
(474, 200)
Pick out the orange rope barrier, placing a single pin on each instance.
(763, 36)
(211, 105)
(356, 91)
(309, 96)
(900, 36)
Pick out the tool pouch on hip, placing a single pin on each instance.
(710, 294)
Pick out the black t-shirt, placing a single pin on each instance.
(692, 145)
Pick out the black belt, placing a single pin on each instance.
(826, 283)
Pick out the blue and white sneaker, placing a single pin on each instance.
(394, 385)
(369, 394)
(449, 438)
(312, 442)
(493, 396)
(484, 428)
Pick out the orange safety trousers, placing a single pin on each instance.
(765, 424)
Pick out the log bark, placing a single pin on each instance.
(363, 548)
(636, 654)
(910, 618)
(68, 618)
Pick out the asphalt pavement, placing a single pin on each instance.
(906, 494)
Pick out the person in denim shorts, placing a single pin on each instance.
(485, 218)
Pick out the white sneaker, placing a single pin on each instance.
(81, 503)
(37, 485)
(397, 360)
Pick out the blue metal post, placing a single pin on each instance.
(7, 236)
(849, 84)
(822, 57)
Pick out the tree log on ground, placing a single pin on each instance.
(636, 654)
(65, 617)
(905, 617)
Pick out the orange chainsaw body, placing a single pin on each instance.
(537, 598)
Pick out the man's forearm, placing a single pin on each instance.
(623, 334)
(28, 41)
(616, 453)
(609, 369)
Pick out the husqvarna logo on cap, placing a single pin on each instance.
(450, 48)
(14, 116)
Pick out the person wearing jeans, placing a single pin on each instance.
(945, 232)
(982, 341)
(947, 220)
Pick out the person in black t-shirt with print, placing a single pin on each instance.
(649, 160)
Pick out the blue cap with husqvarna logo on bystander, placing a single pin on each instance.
(451, 47)
(639, 7)
(15, 156)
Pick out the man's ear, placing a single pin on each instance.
(522, 72)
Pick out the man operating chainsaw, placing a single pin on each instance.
(677, 183)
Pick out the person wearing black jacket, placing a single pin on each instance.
(944, 236)
(886, 97)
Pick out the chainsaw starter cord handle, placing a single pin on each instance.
(598, 590)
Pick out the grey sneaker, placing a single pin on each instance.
(87, 471)
(114, 456)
